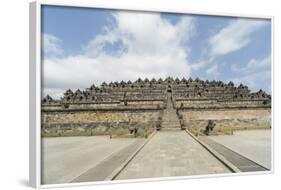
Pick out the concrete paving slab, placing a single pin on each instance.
(239, 161)
(66, 158)
(172, 153)
(109, 165)
(253, 144)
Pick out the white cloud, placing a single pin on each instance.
(256, 80)
(230, 38)
(213, 71)
(201, 64)
(55, 92)
(256, 74)
(51, 45)
(234, 36)
(253, 65)
(151, 47)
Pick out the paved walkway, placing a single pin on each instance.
(242, 163)
(66, 158)
(253, 144)
(172, 153)
(106, 167)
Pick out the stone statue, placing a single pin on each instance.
(209, 128)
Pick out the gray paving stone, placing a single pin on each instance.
(172, 154)
(65, 158)
(242, 163)
(253, 144)
(107, 166)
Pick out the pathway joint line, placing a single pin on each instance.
(227, 147)
(240, 155)
(220, 157)
(118, 170)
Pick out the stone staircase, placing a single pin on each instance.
(170, 120)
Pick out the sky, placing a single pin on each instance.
(85, 46)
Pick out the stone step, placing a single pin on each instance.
(170, 110)
(170, 121)
(170, 115)
(171, 125)
(170, 129)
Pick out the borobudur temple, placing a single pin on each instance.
(162, 104)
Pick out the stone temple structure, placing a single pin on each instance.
(163, 104)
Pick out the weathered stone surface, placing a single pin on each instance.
(142, 102)
(145, 89)
(228, 118)
(96, 122)
(238, 114)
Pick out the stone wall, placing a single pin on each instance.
(228, 118)
(97, 121)
(141, 103)
(68, 117)
(127, 104)
(213, 102)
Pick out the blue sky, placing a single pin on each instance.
(82, 46)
